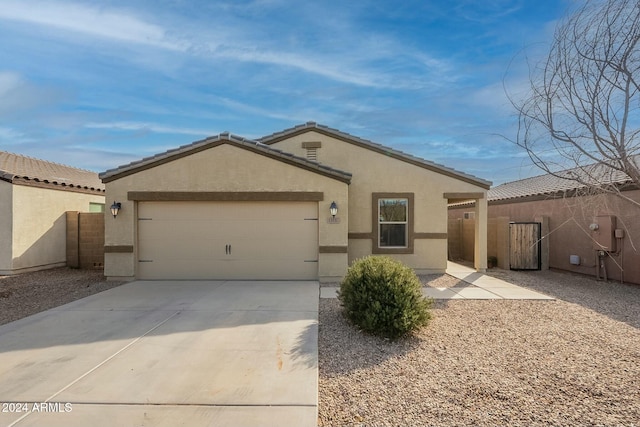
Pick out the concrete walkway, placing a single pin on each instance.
(166, 354)
(484, 287)
(478, 287)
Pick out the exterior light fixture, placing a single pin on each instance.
(115, 208)
(333, 209)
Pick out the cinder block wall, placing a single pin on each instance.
(73, 256)
(85, 240)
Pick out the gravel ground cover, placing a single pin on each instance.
(30, 293)
(570, 362)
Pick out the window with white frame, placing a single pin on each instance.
(393, 224)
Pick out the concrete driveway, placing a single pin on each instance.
(223, 353)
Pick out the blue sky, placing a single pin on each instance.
(99, 84)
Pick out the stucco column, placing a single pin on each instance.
(480, 248)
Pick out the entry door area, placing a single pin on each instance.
(228, 240)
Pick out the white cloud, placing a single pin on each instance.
(8, 82)
(9, 135)
(253, 110)
(491, 97)
(18, 95)
(362, 61)
(148, 127)
(352, 64)
(487, 11)
(89, 20)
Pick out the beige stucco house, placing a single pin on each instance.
(231, 208)
(34, 196)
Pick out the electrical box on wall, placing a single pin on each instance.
(603, 235)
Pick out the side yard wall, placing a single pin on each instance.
(85, 240)
(461, 238)
(6, 228)
(39, 225)
(569, 233)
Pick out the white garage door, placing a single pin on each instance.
(227, 240)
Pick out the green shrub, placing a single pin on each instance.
(383, 296)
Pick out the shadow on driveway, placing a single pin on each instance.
(209, 344)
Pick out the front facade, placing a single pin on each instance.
(230, 208)
(34, 197)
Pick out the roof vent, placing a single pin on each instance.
(312, 149)
(312, 154)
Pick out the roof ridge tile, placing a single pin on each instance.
(227, 136)
(555, 183)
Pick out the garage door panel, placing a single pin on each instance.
(254, 248)
(227, 240)
(228, 229)
(264, 250)
(178, 210)
(201, 249)
(230, 270)
(174, 230)
(277, 229)
(272, 210)
(227, 210)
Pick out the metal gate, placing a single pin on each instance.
(524, 246)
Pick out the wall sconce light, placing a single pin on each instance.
(333, 209)
(594, 227)
(115, 208)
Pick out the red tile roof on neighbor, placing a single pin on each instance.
(23, 170)
(534, 186)
(561, 182)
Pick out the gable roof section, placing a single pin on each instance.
(223, 138)
(399, 155)
(558, 184)
(22, 170)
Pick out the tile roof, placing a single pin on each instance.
(560, 182)
(225, 137)
(19, 169)
(309, 126)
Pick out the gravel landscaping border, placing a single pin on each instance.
(25, 294)
(570, 362)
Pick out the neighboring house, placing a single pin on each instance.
(232, 208)
(568, 213)
(34, 196)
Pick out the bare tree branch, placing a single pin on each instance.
(583, 105)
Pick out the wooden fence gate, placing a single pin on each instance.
(524, 246)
